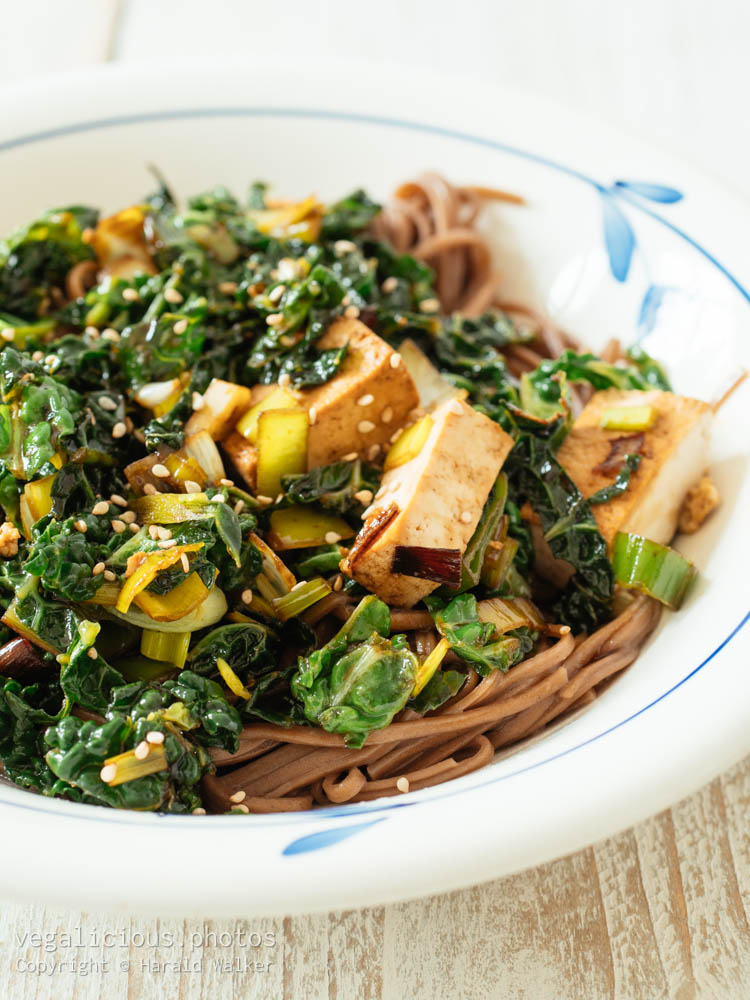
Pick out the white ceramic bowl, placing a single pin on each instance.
(671, 264)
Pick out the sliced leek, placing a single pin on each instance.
(148, 570)
(278, 399)
(170, 647)
(231, 680)
(208, 613)
(629, 418)
(282, 448)
(653, 569)
(301, 527)
(126, 766)
(409, 443)
(426, 670)
(176, 603)
(299, 599)
(509, 613)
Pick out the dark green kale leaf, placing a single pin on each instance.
(442, 686)
(36, 259)
(62, 557)
(160, 348)
(334, 486)
(87, 681)
(250, 648)
(474, 641)
(570, 530)
(25, 712)
(359, 680)
(629, 464)
(652, 371)
(349, 216)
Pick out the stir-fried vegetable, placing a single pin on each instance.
(656, 570)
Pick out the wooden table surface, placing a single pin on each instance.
(661, 909)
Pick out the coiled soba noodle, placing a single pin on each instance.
(283, 769)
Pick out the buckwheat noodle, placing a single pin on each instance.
(284, 769)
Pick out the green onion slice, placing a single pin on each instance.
(653, 569)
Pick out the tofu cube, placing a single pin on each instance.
(674, 453)
(223, 405)
(243, 456)
(369, 398)
(434, 500)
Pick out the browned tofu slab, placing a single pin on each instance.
(369, 398)
(673, 456)
(435, 500)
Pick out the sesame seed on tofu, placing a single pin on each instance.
(673, 452)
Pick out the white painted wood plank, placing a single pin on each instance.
(716, 919)
(46, 36)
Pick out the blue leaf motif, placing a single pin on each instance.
(618, 236)
(650, 306)
(326, 838)
(654, 192)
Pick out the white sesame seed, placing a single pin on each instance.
(118, 526)
(394, 436)
(160, 471)
(37, 356)
(131, 295)
(364, 497)
(465, 517)
(387, 415)
(100, 508)
(153, 531)
(50, 359)
(7, 333)
(191, 486)
(117, 499)
(197, 401)
(332, 537)
(110, 334)
(275, 294)
(365, 426)
(149, 489)
(338, 583)
(134, 529)
(110, 576)
(242, 808)
(128, 516)
(346, 301)
(279, 498)
(228, 287)
(262, 499)
(340, 247)
(180, 326)
(274, 319)
(239, 506)
(172, 295)
(395, 360)
(349, 457)
(247, 596)
(107, 773)
(185, 562)
(163, 533)
(92, 654)
(199, 811)
(366, 399)
(169, 543)
(390, 285)
(238, 796)
(285, 380)
(429, 305)
(312, 415)
(107, 403)
(381, 492)
(395, 486)
(351, 312)
(455, 407)
(403, 784)
(99, 568)
(288, 340)
(226, 482)
(155, 737)
(119, 430)
(373, 452)
(81, 526)
(141, 751)
(219, 498)
(91, 331)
